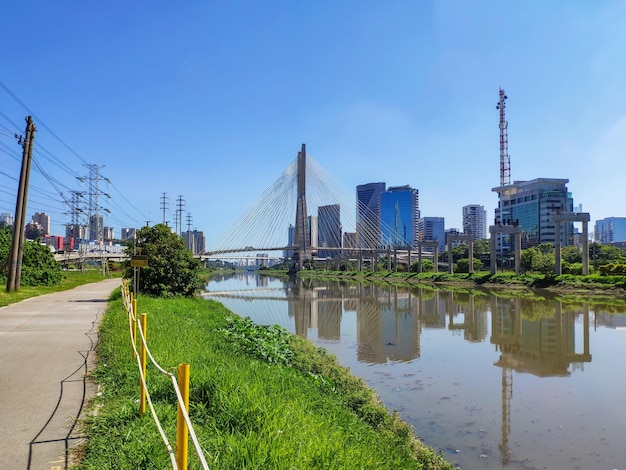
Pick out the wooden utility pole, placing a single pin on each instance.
(19, 226)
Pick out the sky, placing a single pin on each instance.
(212, 100)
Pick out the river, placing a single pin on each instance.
(493, 382)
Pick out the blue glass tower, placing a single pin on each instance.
(399, 215)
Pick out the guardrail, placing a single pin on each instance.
(184, 427)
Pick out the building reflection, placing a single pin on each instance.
(474, 325)
(539, 343)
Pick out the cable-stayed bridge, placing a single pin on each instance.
(305, 215)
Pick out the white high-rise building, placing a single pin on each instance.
(475, 221)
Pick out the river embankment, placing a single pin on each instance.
(260, 397)
(567, 286)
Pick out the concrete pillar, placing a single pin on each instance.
(557, 248)
(585, 248)
(419, 258)
(450, 263)
(360, 262)
(493, 261)
(436, 258)
(395, 260)
(518, 252)
(388, 260)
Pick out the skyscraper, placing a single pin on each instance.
(610, 230)
(368, 214)
(399, 214)
(96, 224)
(531, 204)
(329, 230)
(128, 233)
(475, 221)
(433, 229)
(195, 241)
(291, 240)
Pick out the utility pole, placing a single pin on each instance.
(164, 207)
(17, 247)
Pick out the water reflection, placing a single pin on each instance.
(390, 330)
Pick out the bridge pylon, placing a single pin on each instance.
(302, 238)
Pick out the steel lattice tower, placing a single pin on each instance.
(505, 160)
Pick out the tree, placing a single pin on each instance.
(543, 263)
(526, 258)
(571, 254)
(172, 270)
(482, 247)
(38, 265)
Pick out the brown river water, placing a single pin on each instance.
(492, 382)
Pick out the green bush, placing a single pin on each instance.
(427, 266)
(38, 265)
(462, 265)
(572, 268)
(613, 269)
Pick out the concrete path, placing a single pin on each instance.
(47, 345)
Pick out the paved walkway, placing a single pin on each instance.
(47, 345)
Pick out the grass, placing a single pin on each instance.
(260, 398)
(69, 280)
(591, 284)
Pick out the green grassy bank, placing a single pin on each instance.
(591, 284)
(260, 398)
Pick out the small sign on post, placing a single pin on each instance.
(139, 261)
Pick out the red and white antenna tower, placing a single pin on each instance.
(505, 160)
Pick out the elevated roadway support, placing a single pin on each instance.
(434, 244)
(558, 220)
(450, 238)
(515, 230)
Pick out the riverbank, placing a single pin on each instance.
(260, 398)
(613, 287)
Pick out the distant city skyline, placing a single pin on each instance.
(217, 108)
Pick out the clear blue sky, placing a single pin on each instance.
(212, 100)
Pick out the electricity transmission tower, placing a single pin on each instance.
(164, 206)
(180, 208)
(95, 229)
(190, 238)
(77, 208)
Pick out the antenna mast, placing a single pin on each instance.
(505, 159)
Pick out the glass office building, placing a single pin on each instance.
(610, 230)
(329, 230)
(368, 214)
(530, 204)
(399, 215)
(433, 229)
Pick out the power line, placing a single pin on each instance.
(41, 122)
